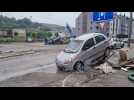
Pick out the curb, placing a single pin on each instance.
(16, 55)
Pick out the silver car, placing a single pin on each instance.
(83, 50)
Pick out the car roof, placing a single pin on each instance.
(88, 36)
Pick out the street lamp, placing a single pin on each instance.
(130, 28)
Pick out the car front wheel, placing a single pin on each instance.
(79, 66)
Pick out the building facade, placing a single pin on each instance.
(13, 33)
(119, 25)
(85, 24)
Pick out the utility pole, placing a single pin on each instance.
(130, 29)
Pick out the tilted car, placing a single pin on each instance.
(83, 50)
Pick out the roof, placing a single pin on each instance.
(87, 36)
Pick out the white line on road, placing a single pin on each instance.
(63, 82)
(24, 72)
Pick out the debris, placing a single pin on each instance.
(124, 69)
(106, 68)
(114, 61)
(123, 56)
(131, 76)
(130, 66)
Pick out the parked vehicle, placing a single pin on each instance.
(116, 43)
(57, 40)
(83, 50)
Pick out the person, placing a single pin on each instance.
(107, 34)
(82, 67)
(45, 41)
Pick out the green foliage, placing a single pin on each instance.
(6, 22)
(46, 34)
(29, 34)
(16, 34)
(39, 35)
(6, 40)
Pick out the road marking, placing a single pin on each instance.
(63, 82)
(5, 77)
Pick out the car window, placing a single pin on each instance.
(88, 44)
(73, 46)
(99, 39)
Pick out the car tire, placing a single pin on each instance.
(78, 66)
(131, 76)
(59, 69)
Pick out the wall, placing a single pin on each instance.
(21, 34)
(85, 24)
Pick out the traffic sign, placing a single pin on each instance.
(102, 16)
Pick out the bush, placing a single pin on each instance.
(16, 34)
(39, 35)
(6, 39)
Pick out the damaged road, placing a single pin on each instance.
(39, 70)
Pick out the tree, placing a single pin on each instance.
(16, 33)
(34, 34)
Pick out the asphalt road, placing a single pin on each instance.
(20, 65)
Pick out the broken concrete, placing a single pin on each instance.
(114, 60)
(106, 68)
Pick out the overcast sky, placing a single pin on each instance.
(59, 18)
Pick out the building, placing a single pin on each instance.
(119, 25)
(13, 33)
(79, 24)
(85, 24)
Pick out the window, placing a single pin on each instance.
(99, 39)
(97, 27)
(89, 43)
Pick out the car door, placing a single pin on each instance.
(101, 45)
(88, 51)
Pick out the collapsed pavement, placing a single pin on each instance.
(111, 73)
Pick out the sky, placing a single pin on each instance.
(59, 18)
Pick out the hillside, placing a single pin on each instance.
(53, 27)
(6, 22)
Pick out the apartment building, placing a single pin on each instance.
(85, 24)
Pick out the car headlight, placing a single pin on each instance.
(67, 61)
(70, 60)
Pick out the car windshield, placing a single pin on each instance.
(73, 46)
